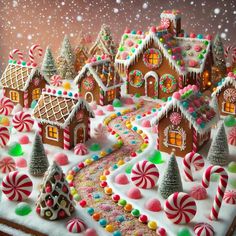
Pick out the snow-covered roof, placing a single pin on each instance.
(171, 14)
(104, 73)
(58, 107)
(193, 106)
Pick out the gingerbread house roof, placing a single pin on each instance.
(171, 14)
(184, 54)
(193, 106)
(58, 107)
(18, 76)
(104, 73)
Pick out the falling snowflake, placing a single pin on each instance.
(145, 5)
(116, 10)
(223, 35)
(29, 37)
(79, 18)
(118, 1)
(14, 3)
(19, 35)
(217, 10)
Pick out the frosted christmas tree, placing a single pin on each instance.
(38, 158)
(48, 65)
(54, 201)
(219, 150)
(171, 181)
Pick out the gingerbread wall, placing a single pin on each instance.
(21, 95)
(165, 68)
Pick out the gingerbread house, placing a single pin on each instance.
(158, 63)
(22, 83)
(185, 122)
(226, 95)
(99, 81)
(63, 118)
(81, 56)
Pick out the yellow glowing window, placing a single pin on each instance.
(175, 138)
(14, 96)
(111, 94)
(52, 132)
(229, 107)
(153, 58)
(36, 94)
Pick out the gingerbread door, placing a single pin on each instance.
(89, 97)
(79, 134)
(150, 86)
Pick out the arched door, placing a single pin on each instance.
(151, 86)
(89, 97)
(79, 134)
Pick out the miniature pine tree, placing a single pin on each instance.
(38, 159)
(171, 181)
(54, 201)
(219, 150)
(48, 65)
(218, 55)
(62, 67)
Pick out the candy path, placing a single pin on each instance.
(87, 180)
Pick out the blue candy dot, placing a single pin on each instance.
(90, 210)
(70, 94)
(59, 92)
(135, 128)
(103, 222)
(120, 218)
(95, 157)
(116, 233)
(115, 166)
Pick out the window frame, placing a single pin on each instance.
(33, 93)
(47, 133)
(224, 104)
(111, 94)
(16, 94)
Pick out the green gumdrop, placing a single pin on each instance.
(230, 121)
(128, 169)
(15, 150)
(184, 232)
(95, 147)
(33, 104)
(23, 209)
(214, 177)
(156, 157)
(232, 167)
(232, 182)
(137, 95)
(117, 103)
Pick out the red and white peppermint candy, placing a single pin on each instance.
(180, 208)
(203, 229)
(56, 80)
(17, 186)
(4, 136)
(195, 159)
(75, 225)
(230, 197)
(165, 22)
(232, 136)
(7, 164)
(144, 174)
(80, 149)
(6, 106)
(22, 122)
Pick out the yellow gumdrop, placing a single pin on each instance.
(5, 121)
(152, 225)
(103, 153)
(120, 162)
(88, 161)
(66, 85)
(109, 228)
(69, 177)
(103, 177)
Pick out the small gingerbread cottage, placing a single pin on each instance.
(22, 83)
(158, 63)
(63, 118)
(185, 122)
(226, 95)
(99, 81)
(81, 56)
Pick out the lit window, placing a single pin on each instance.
(152, 58)
(14, 96)
(174, 138)
(229, 107)
(36, 94)
(111, 94)
(52, 132)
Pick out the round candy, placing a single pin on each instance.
(21, 162)
(75, 225)
(80, 149)
(232, 136)
(7, 164)
(144, 174)
(17, 186)
(4, 136)
(61, 159)
(24, 139)
(153, 204)
(56, 80)
(203, 229)
(121, 179)
(22, 122)
(134, 193)
(6, 106)
(230, 197)
(180, 208)
(198, 192)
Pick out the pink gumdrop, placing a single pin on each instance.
(189, 86)
(192, 35)
(199, 121)
(21, 162)
(153, 205)
(192, 63)
(24, 139)
(110, 108)
(146, 123)
(161, 231)
(208, 37)
(61, 159)
(127, 31)
(198, 192)
(134, 193)
(177, 95)
(190, 109)
(129, 101)
(90, 232)
(153, 29)
(185, 89)
(129, 43)
(124, 55)
(197, 48)
(230, 74)
(121, 179)
(99, 113)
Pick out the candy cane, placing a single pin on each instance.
(66, 138)
(31, 52)
(221, 187)
(194, 140)
(18, 52)
(230, 52)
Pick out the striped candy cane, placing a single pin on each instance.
(230, 53)
(26, 100)
(31, 52)
(89, 128)
(101, 98)
(14, 52)
(66, 140)
(221, 187)
(194, 140)
(194, 159)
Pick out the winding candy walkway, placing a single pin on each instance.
(87, 180)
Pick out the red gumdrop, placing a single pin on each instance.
(82, 203)
(61, 214)
(64, 189)
(38, 210)
(81, 165)
(49, 202)
(48, 189)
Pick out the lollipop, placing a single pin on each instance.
(230, 197)
(22, 122)
(180, 208)
(6, 106)
(144, 174)
(75, 225)
(80, 149)
(4, 136)
(203, 229)
(17, 186)
(232, 136)
(7, 164)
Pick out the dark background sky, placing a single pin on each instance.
(26, 22)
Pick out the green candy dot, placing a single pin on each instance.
(156, 157)
(121, 49)
(95, 147)
(126, 36)
(117, 103)
(15, 150)
(23, 209)
(135, 212)
(232, 167)
(122, 202)
(137, 95)
(128, 169)
(230, 121)
(206, 42)
(200, 56)
(184, 232)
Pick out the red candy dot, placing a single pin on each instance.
(81, 165)
(61, 214)
(143, 218)
(82, 203)
(48, 189)
(133, 154)
(115, 197)
(49, 202)
(113, 132)
(103, 184)
(38, 210)
(161, 232)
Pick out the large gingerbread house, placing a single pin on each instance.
(158, 63)
(99, 81)
(226, 95)
(22, 83)
(185, 122)
(63, 118)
